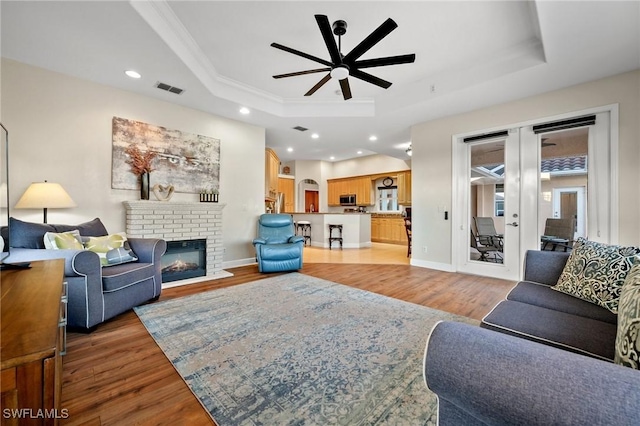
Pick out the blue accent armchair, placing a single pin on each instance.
(277, 247)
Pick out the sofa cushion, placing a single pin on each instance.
(595, 272)
(93, 228)
(27, 234)
(628, 337)
(120, 276)
(545, 297)
(565, 331)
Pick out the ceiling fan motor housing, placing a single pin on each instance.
(339, 27)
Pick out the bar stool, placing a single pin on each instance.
(303, 228)
(338, 228)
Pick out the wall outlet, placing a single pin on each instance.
(424, 249)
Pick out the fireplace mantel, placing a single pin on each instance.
(174, 221)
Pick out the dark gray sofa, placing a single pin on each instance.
(550, 363)
(96, 293)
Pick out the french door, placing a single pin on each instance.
(489, 190)
(519, 178)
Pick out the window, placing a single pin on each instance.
(499, 199)
(388, 198)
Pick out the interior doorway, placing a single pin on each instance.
(311, 199)
(570, 202)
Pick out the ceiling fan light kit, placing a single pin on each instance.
(343, 66)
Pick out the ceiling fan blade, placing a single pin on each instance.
(293, 74)
(369, 78)
(372, 39)
(304, 55)
(346, 89)
(327, 35)
(389, 60)
(318, 85)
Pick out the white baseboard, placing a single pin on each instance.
(446, 267)
(239, 262)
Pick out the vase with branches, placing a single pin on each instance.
(140, 163)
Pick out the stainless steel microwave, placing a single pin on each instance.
(348, 200)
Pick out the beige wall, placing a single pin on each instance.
(432, 162)
(60, 130)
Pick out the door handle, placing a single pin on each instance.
(515, 224)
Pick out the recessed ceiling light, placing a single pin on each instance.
(289, 149)
(245, 110)
(359, 152)
(373, 138)
(133, 74)
(332, 158)
(315, 136)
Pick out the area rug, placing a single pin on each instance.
(299, 350)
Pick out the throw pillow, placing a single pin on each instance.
(27, 234)
(93, 228)
(628, 336)
(103, 245)
(595, 272)
(120, 255)
(63, 240)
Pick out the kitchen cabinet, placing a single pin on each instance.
(287, 187)
(336, 188)
(388, 229)
(271, 168)
(362, 189)
(360, 186)
(404, 188)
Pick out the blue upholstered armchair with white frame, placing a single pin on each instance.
(278, 248)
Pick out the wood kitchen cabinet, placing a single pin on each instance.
(287, 187)
(271, 170)
(362, 189)
(388, 229)
(360, 186)
(336, 188)
(404, 188)
(32, 342)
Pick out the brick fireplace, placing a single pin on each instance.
(179, 221)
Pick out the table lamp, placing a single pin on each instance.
(45, 195)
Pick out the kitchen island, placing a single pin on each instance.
(356, 228)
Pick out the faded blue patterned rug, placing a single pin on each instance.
(299, 350)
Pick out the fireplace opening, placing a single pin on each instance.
(184, 259)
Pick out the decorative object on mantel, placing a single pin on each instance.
(184, 159)
(286, 170)
(209, 196)
(140, 163)
(163, 193)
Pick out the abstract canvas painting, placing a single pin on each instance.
(189, 162)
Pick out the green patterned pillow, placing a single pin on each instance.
(595, 272)
(63, 240)
(103, 245)
(628, 337)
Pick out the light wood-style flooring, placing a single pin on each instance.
(117, 375)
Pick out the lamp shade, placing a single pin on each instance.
(45, 195)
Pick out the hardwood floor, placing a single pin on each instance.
(117, 375)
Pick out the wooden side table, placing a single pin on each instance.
(33, 314)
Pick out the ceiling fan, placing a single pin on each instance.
(342, 66)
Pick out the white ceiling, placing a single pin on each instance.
(469, 55)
